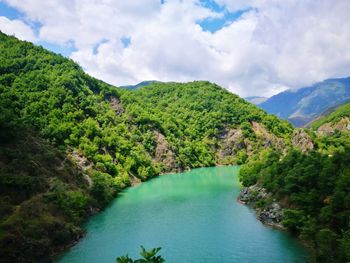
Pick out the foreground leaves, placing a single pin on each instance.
(147, 257)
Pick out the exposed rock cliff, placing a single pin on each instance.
(267, 137)
(302, 141)
(232, 141)
(164, 154)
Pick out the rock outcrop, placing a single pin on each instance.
(83, 164)
(268, 138)
(328, 128)
(252, 194)
(164, 154)
(268, 210)
(325, 129)
(232, 141)
(302, 141)
(116, 105)
(272, 215)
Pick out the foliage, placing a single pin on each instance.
(315, 190)
(336, 115)
(43, 199)
(80, 141)
(147, 257)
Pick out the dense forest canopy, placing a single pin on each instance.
(314, 186)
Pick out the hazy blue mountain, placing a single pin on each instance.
(139, 85)
(303, 105)
(256, 99)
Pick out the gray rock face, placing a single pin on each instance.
(232, 141)
(250, 195)
(269, 214)
(269, 138)
(164, 154)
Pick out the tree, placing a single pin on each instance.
(147, 257)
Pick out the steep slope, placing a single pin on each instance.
(336, 119)
(312, 187)
(302, 105)
(200, 119)
(44, 198)
(98, 139)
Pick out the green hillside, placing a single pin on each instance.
(43, 199)
(313, 187)
(70, 143)
(333, 117)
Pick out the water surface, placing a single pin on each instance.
(193, 216)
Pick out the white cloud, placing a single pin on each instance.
(275, 45)
(16, 28)
(236, 5)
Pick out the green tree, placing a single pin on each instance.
(147, 256)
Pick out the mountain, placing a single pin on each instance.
(303, 105)
(256, 99)
(69, 143)
(139, 85)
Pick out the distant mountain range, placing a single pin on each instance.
(139, 85)
(305, 104)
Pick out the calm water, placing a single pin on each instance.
(193, 216)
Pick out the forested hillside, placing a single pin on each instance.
(70, 143)
(337, 119)
(312, 186)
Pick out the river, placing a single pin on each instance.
(193, 216)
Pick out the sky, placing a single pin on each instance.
(250, 47)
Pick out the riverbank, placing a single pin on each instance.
(269, 211)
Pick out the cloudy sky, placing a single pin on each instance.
(251, 47)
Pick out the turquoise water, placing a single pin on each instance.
(193, 216)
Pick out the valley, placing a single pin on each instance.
(191, 216)
(70, 144)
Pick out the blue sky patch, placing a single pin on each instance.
(126, 41)
(65, 49)
(214, 24)
(9, 12)
(212, 5)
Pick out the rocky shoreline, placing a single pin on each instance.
(268, 210)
